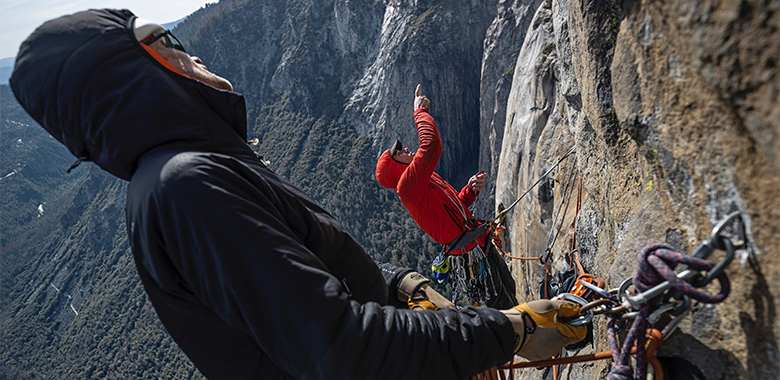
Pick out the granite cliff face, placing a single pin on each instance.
(671, 108)
(670, 111)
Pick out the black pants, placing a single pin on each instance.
(502, 278)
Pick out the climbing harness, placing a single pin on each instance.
(469, 270)
(472, 277)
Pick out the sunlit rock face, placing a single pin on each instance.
(672, 110)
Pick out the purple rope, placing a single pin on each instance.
(663, 260)
(656, 264)
(622, 369)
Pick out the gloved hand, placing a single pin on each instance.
(414, 290)
(541, 330)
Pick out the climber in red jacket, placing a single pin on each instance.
(477, 272)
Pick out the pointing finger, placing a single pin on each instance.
(417, 92)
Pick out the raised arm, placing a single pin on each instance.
(416, 178)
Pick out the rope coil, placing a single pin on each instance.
(656, 264)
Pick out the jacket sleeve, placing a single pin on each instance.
(243, 248)
(416, 177)
(467, 196)
(393, 276)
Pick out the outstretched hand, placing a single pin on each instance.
(420, 100)
(477, 182)
(541, 328)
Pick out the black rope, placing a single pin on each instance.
(502, 214)
(568, 198)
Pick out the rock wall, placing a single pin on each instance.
(671, 108)
(437, 44)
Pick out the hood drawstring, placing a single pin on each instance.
(77, 163)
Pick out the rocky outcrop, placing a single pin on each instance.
(661, 103)
(500, 52)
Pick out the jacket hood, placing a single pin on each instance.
(389, 171)
(88, 81)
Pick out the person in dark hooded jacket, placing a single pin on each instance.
(252, 279)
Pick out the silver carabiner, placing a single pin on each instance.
(675, 323)
(656, 315)
(583, 319)
(717, 231)
(716, 270)
(674, 308)
(603, 293)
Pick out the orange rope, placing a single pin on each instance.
(497, 242)
(654, 342)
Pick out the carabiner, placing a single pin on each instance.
(597, 306)
(716, 270)
(675, 323)
(717, 231)
(583, 319)
(674, 308)
(603, 293)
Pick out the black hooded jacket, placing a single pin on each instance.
(249, 276)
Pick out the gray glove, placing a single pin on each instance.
(414, 290)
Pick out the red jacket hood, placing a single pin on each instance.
(389, 171)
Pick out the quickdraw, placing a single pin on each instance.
(471, 273)
(472, 277)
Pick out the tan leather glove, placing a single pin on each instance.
(414, 290)
(541, 330)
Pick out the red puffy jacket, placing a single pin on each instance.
(437, 208)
